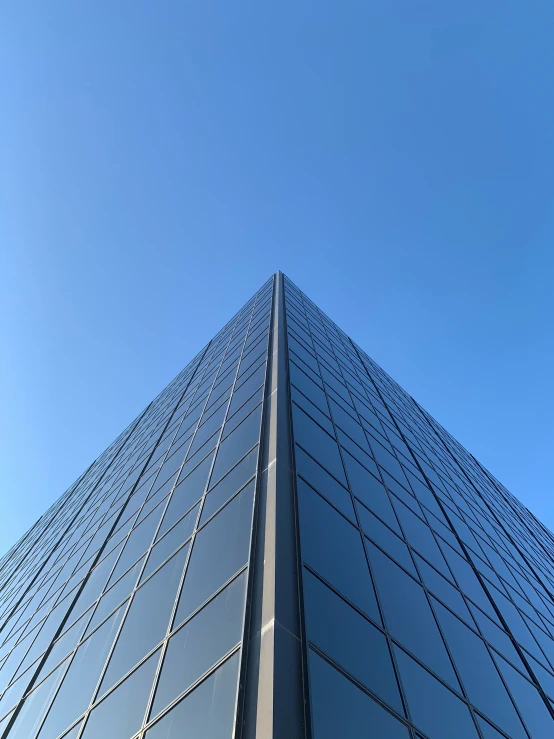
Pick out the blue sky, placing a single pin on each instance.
(158, 161)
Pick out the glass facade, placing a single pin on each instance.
(284, 543)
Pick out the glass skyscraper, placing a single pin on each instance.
(283, 544)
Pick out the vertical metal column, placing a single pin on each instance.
(273, 697)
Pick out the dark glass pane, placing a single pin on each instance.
(350, 640)
(80, 681)
(186, 494)
(201, 642)
(220, 549)
(535, 714)
(434, 709)
(385, 538)
(408, 615)
(137, 543)
(170, 542)
(444, 590)
(478, 673)
(35, 706)
(115, 595)
(234, 420)
(340, 709)
(235, 446)
(309, 388)
(147, 620)
(334, 549)
(370, 491)
(206, 713)
(421, 538)
(120, 715)
(324, 483)
(467, 580)
(312, 410)
(229, 484)
(317, 442)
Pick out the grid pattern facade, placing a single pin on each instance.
(417, 592)
(428, 588)
(141, 567)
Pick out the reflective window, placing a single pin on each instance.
(207, 712)
(186, 493)
(350, 640)
(434, 709)
(79, 683)
(234, 446)
(121, 713)
(370, 491)
(478, 673)
(220, 549)
(201, 642)
(532, 708)
(333, 547)
(340, 709)
(146, 621)
(228, 485)
(324, 483)
(317, 442)
(173, 539)
(35, 706)
(408, 616)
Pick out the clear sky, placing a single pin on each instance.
(159, 160)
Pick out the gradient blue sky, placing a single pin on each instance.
(158, 161)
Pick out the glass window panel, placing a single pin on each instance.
(229, 484)
(386, 539)
(434, 709)
(114, 596)
(120, 715)
(408, 615)
(80, 681)
(333, 547)
(186, 494)
(317, 443)
(65, 644)
(350, 640)
(535, 714)
(220, 549)
(255, 378)
(444, 590)
(340, 709)
(35, 706)
(234, 420)
(420, 537)
(201, 642)
(137, 543)
(72, 734)
(312, 391)
(467, 580)
(312, 410)
(487, 730)
(370, 491)
(479, 675)
(170, 542)
(245, 391)
(324, 483)
(235, 446)
(208, 712)
(146, 621)
(349, 425)
(95, 584)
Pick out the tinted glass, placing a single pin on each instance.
(340, 709)
(220, 549)
(207, 712)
